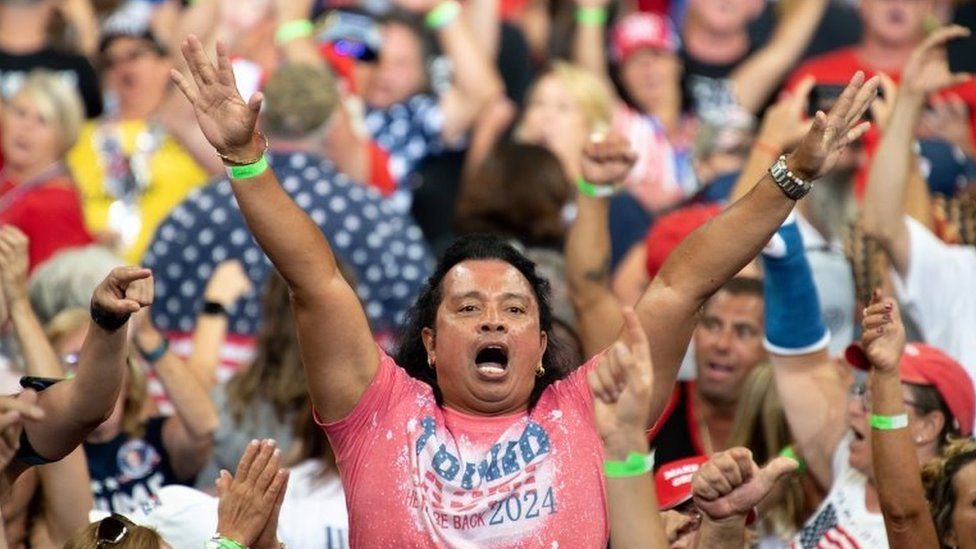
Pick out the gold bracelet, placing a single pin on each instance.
(232, 162)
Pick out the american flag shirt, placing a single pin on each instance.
(843, 521)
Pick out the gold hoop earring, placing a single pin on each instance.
(540, 371)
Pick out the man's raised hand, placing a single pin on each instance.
(607, 160)
(832, 132)
(622, 382)
(124, 291)
(730, 484)
(225, 118)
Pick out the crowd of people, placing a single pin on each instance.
(479, 273)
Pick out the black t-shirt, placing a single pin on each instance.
(127, 473)
(75, 69)
(675, 436)
(705, 83)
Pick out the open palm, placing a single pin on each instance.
(832, 132)
(227, 121)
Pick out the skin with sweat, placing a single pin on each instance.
(485, 303)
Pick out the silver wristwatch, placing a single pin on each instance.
(792, 186)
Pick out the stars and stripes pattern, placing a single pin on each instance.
(825, 532)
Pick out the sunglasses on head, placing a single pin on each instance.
(111, 531)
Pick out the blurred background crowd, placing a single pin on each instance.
(398, 125)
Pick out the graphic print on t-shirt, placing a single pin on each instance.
(508, 490)
(137, 481)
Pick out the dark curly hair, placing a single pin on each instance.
(938, 477)
(411, 354)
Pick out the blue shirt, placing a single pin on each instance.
(384, 248)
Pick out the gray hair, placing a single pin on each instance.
(67, 280)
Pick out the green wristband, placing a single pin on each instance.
(222, 542)
(300, 28)
(789, 452)
(594, 191)
(888, 423)
(636, 465)
(248, 171)
(594, 16)
(443, 15)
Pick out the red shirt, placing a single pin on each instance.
(49, 214)
(839, 66)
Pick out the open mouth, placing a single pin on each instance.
(858, 436)
(720, 370)
(492, 361)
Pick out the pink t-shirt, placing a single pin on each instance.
(420, 475)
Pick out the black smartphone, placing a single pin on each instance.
(38, 383)
(823, 96)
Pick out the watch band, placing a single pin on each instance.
(152, 356)
(212, 308)
(791, 185)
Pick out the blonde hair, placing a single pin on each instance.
(590, 92)
(138, 537)
(58, 103)
(938, 477)
(65, 323)
(760, 425)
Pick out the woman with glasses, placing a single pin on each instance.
(831, 423)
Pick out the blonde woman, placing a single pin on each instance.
(37, 193)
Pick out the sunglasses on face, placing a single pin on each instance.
(111, 531)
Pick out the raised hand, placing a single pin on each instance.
(227, 284)
(14, 261)
(227, 121)
(248, 499)
(784, 126)
(832, 132)
(948, 120)
(883, 334)
(607, 160)
(13, 412)
(730, 484)
(124, 291)
(268, 538)
(882, 107)
(622, 382)
(927, 70)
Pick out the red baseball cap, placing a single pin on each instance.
(925, 365)
(671, 229)
(673, 481)
(642, 30)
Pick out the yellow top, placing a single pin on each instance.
(172, 175)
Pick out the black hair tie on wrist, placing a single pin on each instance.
(106, 320)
